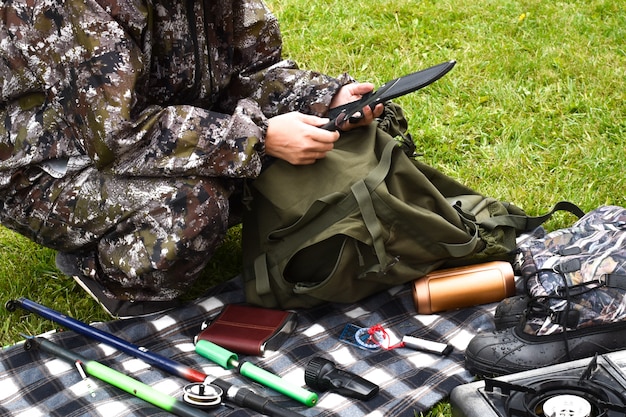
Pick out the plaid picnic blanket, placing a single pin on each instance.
(33, 383)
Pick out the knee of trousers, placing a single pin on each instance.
(184, 227)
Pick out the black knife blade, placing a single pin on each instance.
(388, 91)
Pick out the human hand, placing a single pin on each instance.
(298, 139)
(353, 92)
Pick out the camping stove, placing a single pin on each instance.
(593, 387)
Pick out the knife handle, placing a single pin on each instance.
(358, 116)
(353, 108)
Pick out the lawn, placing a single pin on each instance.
(534, 111)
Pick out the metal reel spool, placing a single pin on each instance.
(202, 395)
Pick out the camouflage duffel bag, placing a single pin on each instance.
(577, 276)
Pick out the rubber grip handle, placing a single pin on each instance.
(246, 398)
(217, 354)
(278, 384)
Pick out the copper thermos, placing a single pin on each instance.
(449, 289)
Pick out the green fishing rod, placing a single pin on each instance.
(115, 378)
(229, 360)
(240, 396)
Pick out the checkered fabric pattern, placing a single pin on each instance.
(34, 384)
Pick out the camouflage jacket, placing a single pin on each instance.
(145, 87)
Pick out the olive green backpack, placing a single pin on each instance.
(366, 218)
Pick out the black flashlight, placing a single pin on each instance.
(322, 375)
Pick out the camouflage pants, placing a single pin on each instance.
(142, 238)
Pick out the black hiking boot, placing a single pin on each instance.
(69, 264)
(511, 350)
(510, 311)
(543, 337)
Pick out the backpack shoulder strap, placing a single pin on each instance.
(523, 223)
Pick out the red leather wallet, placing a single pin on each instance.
(249, 330)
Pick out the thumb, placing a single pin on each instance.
(313, 120)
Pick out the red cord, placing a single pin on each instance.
(378, 329)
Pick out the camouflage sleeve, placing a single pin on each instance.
(188, 140)
(87, 67)
(283, 88)
(250, 50)
(251, 82)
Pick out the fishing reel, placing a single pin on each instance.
(202, 395)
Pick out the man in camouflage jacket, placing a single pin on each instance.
(127, 125)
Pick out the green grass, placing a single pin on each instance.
(534, 112)
(28, 270)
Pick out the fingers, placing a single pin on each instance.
(360, 88)
(315, 122)
(350, 92)
(365, 117)
(298, 139)
(378, 110)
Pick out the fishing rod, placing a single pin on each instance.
(229, 360)
(115, 378)
(240, 396)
